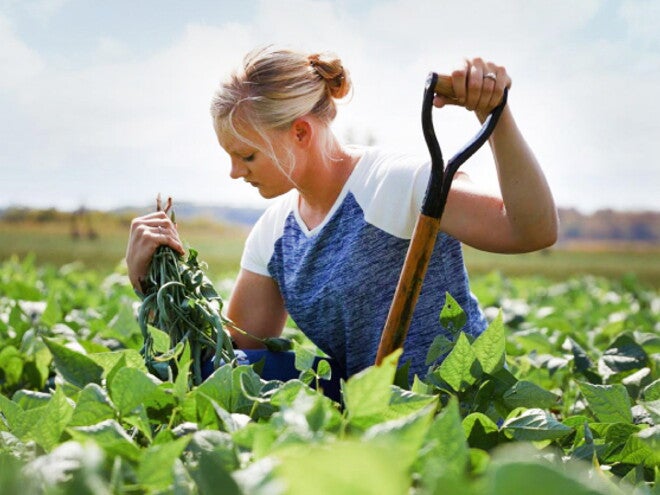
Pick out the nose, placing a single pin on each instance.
(238, 169)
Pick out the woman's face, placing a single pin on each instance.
(254, 166)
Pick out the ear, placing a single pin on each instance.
(302, 131)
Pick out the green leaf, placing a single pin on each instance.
(528, 394)
(624, 354)
(43, 424)
(367, 394)
(653, 408)
(460, 369)
(339, 468)
(93, 406)
(490, 345)
(110, 374)
(652, 391)
(11, 479)
(161, 340)
(76, 368)
(526, 473)
(110, 436)
(404, 435)
(405, 402)
(129, 388)
(452, 316)
(479, 461)
(217, 387)
(324, 370)
(156, 469)
(440, 346)
(533, 425)
(481, 432)
(219, 442)
(277, 344)
(609, 403)
(225, 387)
(212, 477)
(304, 358)
(54, 417)
(445, 452)
(29, 399)
(11, 365)
(108, 360)
(181, 383)
(227, 422)
(140, 420)
(307, 376)
(53, 313)
(14, 416)
(642, 448)
(124, 325)
(581, 360)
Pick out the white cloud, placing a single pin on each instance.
(643, 18)
(19, 63)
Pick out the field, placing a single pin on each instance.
(51, 243)
(560, 395)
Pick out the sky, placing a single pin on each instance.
(106, 104)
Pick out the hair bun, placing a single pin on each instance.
(331, 70)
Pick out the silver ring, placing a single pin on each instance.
(490, 75)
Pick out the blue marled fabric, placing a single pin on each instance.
(338, 285)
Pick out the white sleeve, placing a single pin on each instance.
(260, 242)
(392, 191)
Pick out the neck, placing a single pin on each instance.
(325, 175)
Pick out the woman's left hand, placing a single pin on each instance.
(478, 86)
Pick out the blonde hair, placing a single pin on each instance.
(274, 87)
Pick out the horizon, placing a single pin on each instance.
(114, 209)
(106, 105)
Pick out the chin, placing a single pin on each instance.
(270, 194)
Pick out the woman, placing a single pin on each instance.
(329, 250)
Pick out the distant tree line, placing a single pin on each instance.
(610, 225)
(602, 225)
(20, 214)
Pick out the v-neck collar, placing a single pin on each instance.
(335, 206)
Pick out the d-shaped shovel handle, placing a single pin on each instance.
(444, 87)
(427, 227)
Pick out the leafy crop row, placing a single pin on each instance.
(560, 395)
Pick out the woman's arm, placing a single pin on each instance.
(523, 218)
(256, 306)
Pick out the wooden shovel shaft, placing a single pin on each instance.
(409, 285)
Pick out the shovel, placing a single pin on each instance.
(428, 223)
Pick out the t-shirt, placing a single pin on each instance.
(338, 279)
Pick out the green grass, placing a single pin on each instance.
(613, 263)
(52, 244)
(220, 247)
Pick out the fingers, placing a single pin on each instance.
(146, 235)
(153, 232)
(478, 86)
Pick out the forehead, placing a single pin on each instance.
(235, 140)
(234, 145)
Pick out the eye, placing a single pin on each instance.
(249, 158)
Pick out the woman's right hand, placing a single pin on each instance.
(147, 233)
